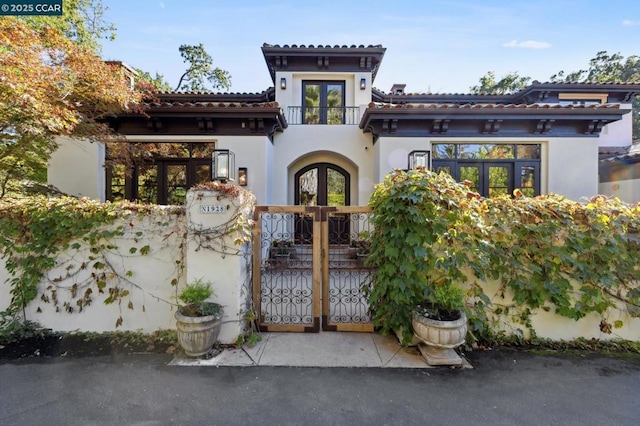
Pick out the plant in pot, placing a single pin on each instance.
(440, 324)
(198, 320)
(360, 247)
(420, 247)
(281, 251)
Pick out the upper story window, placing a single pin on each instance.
(323, 102)
(582, 98)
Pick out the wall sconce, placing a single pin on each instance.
(283, 83)
(420, 159)
(223, 165)
(363, 83)
(242, 176)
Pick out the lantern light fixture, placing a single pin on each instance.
(420, 159)
(242, 176)
(223, 165)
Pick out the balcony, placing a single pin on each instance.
(323, 115)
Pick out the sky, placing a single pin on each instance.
(433, 46)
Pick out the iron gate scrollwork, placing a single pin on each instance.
(310, 268)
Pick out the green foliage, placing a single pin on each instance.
(157, 82)
(603, 68)
(123, 341)
(432, 234)
(195, 297)
(609, 68)
(252, 335)
(12, 331)
(200, 71)
(36, 231)
(416, 245)
(82, 21)
(510, 83)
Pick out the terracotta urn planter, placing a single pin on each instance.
(197, 334)
(439, 338)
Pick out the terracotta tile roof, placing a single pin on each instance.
(492, 106)
(626, 158)
(212, 105)
(622, 91)
(583, 83)
(210, 94)
(612, 150)
(311, 46)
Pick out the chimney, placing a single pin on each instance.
(398, 89)
(128, 73)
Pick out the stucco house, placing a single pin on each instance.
(620, 172)
(324, 135)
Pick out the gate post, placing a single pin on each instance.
(216, 218)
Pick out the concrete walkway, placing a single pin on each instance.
(325, 349)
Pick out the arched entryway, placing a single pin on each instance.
(323, 184)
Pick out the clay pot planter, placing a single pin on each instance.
(197, 334)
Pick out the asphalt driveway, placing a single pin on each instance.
(503, 388)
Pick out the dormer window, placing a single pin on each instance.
(323, 102)
(582, 98)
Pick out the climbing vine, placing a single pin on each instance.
(238, 226)
(69, 245)
(546, 253)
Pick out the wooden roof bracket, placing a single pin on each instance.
(491, 126)
(543, 126)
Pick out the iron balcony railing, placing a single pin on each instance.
(323, 115)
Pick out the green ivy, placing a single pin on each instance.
(35, 231)
(549, 252)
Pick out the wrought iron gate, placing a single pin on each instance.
(310, 269)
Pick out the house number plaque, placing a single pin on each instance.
(205, 209)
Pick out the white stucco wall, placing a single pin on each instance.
(573, 167)
(549, 325)
(627, 190)
(301, 145)
(293, 96)
(152, 296)
(393, 153)
(174, 254)
(618, 133)
(569, 166)
(228, 273)
(77, 168)
(254, 153)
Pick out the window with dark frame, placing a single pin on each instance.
(323, 102)
(492, 169)
(160, 173)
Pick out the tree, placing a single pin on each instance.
(50, 86)
(146, 82)
(609, 68)
(82, 21)
(603, 68)
(510, 83)
(200, 71)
